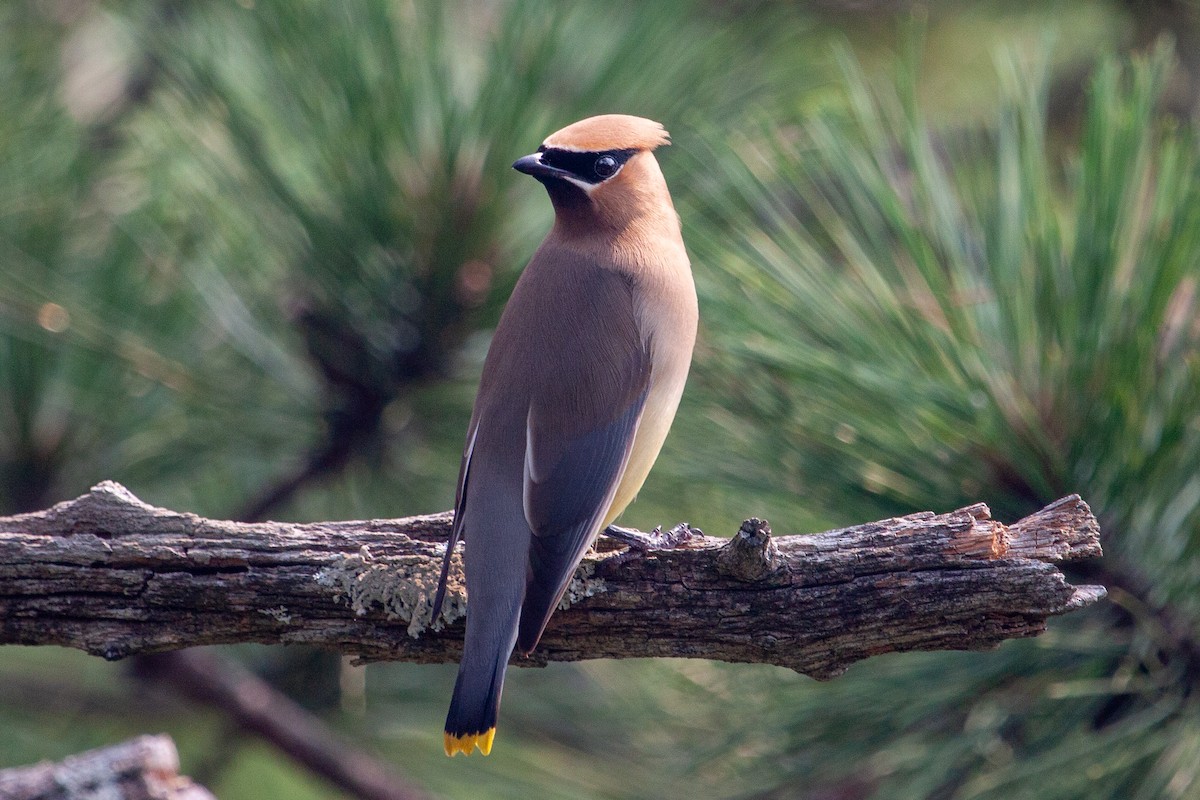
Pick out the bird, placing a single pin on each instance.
(581, 382)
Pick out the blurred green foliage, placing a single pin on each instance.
(923, 319)
(250, 252)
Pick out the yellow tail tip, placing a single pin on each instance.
(467, 743)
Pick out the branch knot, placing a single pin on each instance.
(751, 554)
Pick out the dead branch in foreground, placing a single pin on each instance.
(253, 706)
(111, 575)
(145, 768)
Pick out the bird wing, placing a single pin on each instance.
(456, 527)
(579, 431)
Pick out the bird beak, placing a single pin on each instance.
(532, 165)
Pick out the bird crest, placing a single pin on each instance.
(609, 132)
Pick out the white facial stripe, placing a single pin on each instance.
(567, 147)
(587, 187)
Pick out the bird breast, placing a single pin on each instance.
(667, 315)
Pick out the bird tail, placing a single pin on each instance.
(475, 705)
(496, 565)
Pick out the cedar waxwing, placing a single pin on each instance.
(579, 388)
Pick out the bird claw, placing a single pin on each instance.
(639, 542)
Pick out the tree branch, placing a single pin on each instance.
(111, 575)
(145, 768)
(256, 707)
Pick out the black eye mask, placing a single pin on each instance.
(589, 167)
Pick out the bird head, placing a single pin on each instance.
(602, 168)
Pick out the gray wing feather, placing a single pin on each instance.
(460, 498)
(564, 508)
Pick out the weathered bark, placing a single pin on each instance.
(145, 768)
(113, 576)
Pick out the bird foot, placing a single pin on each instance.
(640, 542)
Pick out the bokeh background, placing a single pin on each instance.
(251, 252)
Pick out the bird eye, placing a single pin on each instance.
(605, 166)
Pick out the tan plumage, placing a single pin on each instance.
(610, 132)
(578, 391)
